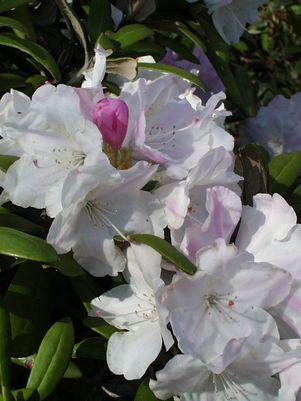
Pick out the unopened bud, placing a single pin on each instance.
(111, 117)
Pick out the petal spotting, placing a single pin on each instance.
(111, 117)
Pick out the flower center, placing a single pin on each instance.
(228, 383)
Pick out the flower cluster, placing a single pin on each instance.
(88, 158)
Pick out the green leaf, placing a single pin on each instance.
(92, 348)
(284, 170)
(5, 346)
(22, 394)
(100, 326)
(173, 70)
(144, 393)
(254, 161)
(6, 162)
(130, 34)
(72, 371)
(193, 37)
(6, 5)
(165, 249)
(53, 358)
(67, 265)
(36, 51)
(30, 303)
(77, 27)
(9, 219)
(21, 245)
(99, 19)
(7, 394)
(14, 24)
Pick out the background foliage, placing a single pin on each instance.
(45, 298)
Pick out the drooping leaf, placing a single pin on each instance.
(165, 249)
(53, 358)
(6, 162)
(22, 245)
(76, 25)
(130, 34)
(99, 19)
(37, 52)
(9, 219)
(284, 170)
(30, 302)
(5, 346)
(173, 70)
(14, 24)
(68, 266)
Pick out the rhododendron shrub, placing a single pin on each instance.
(149, 219)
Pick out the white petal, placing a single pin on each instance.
(181, 374)
(131, 353)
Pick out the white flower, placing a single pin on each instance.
(231, 16)
(185, 201)
(224, 300)
(270, 232)
(169, 127)
(99, 204)
(134, 307)
(52, 137)
(247, 378)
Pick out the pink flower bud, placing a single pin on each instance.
(111, 117)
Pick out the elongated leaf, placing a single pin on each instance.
(5, 346)
(284, 170)
(130, 34)
(144, 393)
(99, 19)
(36, 51)
(76, 25)
(6, 162)
(173, 70)
(53, 358)
(7, 394)
(92, 348)
(165, 249)
(68, 266)
(21, 245)
(6, 5)
(193, 37)
(100, 326)
(8, 219)
(14, 24)
(30, 302)
(72, 371)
